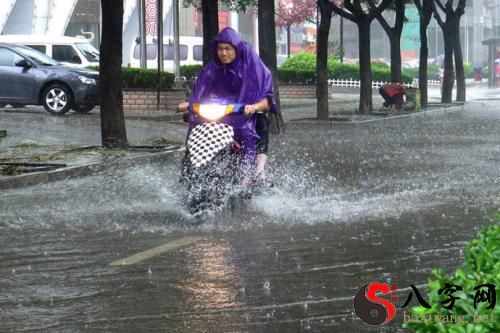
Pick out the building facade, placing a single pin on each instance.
(83, 17)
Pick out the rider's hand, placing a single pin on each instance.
(250, 110)
(184, 106)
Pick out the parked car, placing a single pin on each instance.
(29, 77)
(70, 51)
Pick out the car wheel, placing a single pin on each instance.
(18, 105)
(57, 99)
(83, 108)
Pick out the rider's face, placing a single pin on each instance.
(226, 53)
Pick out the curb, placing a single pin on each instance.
(85, 170)
(153, 116)
(352, 120)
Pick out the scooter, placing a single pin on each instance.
(213, 167)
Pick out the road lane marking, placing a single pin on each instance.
(141, 256)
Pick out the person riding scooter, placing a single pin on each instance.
(237, 74)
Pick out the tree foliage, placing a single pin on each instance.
(236, 5)
(294, 12)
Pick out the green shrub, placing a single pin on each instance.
(380, 65)
(301, 60)
(344, 71)
(190, 71)
(143, 78)
(468, 71)
(432, 71)
(301, 68)
(303, 76)
(482, 266)
(484, 71)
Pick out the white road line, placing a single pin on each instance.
(141, 256)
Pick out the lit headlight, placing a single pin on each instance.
(87, 80)
(213, 111)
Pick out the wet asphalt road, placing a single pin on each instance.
(382, 201)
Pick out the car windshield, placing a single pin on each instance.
(89, 51)
(36, 56)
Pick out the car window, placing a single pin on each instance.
(8, 57)
(41, 48)
(150, 51)
(65, 53)
(35, 56)
(198, 52)
(89, 51)
(168, 52)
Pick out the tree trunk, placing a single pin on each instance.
(425, 12)
(395, 41)
(365, 67)
(288, 39)
(448, 77)
(322, 61)
(459, 60)
(113, 131)
(267, 52)
(210, 18)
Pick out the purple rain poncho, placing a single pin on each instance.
(246, 80)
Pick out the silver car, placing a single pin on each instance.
(29, 77)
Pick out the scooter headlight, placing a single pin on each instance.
(212, 112)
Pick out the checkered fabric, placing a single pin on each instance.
(207, 140)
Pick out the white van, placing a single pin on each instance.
(71, 51)
(190, 49)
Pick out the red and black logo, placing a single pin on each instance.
(373, 309)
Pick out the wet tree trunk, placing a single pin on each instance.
(113, 131)
(395, 41)
(459, 60)
(355, 11)
(210, 21)
(394, 35)
(322, 60)
(365, 67)
(267, 52)
(451, 36)
(425, 13)
(448, 77)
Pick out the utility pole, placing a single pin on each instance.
(176, 39)
(159, 31)
(142, 32)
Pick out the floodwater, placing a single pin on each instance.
(382, 201)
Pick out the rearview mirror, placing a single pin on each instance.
(23, 63)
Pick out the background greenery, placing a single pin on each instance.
(301, 68)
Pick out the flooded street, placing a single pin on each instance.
(383, 201)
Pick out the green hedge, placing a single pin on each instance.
(190, 71)
(301, 68)
(145, 78)
(482, 266)
(339, 71)
(139, 78)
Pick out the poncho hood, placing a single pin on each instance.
(246, 80)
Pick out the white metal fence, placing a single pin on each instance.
(375, 84)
